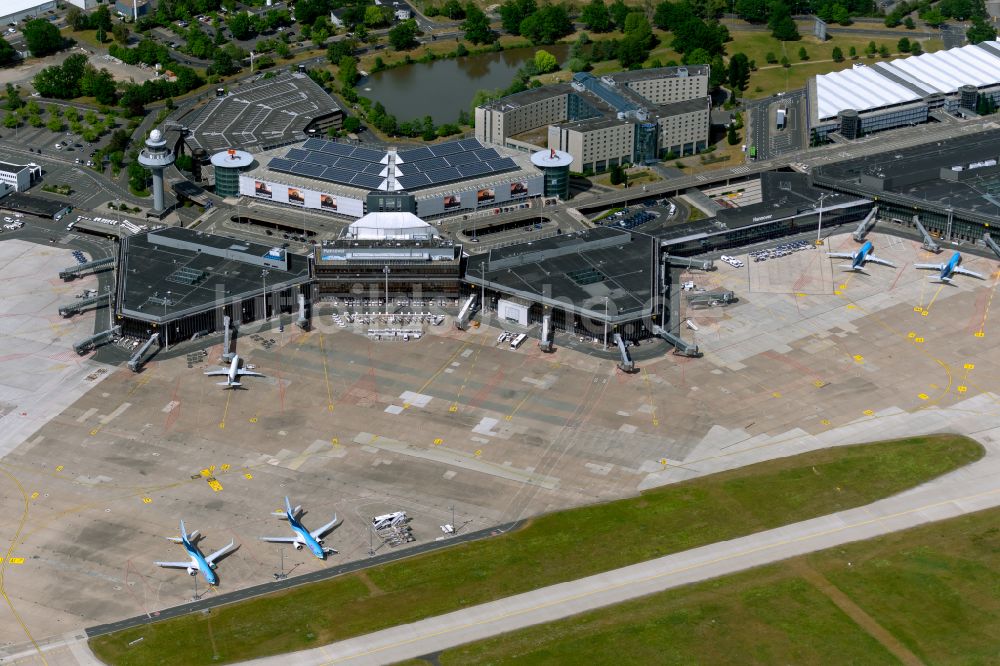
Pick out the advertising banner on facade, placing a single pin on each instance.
(327, 202)
(295, 196)
(486, 196)
(262, 189)
(519, 189)
(452, 201)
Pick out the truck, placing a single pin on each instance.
(780, 119)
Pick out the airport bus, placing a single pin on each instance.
(518, 341)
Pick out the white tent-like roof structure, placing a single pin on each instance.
(903, 80)
(390, 226)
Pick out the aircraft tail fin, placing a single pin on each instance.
(228, 384)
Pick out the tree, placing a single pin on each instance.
(76, 19)
(803, 54)
(352, 124)
(932, 17)
(915, 48)
(42, 37)
(840, 14)
(513, 13)
(883, 51)
(477, 26)
(347, 72)
(242, 26)
(55, 124)
(903, 45)
(224, 64)
(739, 72)
(375, 17)
(853, 51)
(547, 24)
(14, 101)
(595, 16)
(545, 62)
(732, 138)
(871, 49)
(980, 31)
(637, 26)
(782, 26)
(337, 50)
(770, 58)
(838, 54)
(7, 53)
(453, 10)
(785, 62)
(120, 32)
(909, 24)
(619, 12)
(404, 35)
(754, 11)
(10, 121)
(616, 175)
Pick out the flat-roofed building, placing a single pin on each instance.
(19, 176)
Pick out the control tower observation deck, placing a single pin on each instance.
(156, 156)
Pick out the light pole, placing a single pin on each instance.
(263, 277)
(386, 271)
(819, 227)
(452, 507)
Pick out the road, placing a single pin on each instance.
(970, 489)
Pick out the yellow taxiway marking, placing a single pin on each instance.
(986, 312)
(225, 412)
(326, 375)
(649, 393)
(438, 441)
(926, 310)
(147, 500)
(518, 405)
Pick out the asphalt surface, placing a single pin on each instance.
(972, 488)
(277, 585)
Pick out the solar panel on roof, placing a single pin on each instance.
(338, 175)
(374, 168)
(443, 175)
(470, 144)
(427, 165)
(368, 154)
(280, 164)
(502, 164)
(352, 164)
(413, 181)
(367, 180)
(421, 153)
(337, 149)
(314, 144)
(461, 158)
(297, 154)
(487, 154)
(308, 169)
(472, 170)
(446, 149)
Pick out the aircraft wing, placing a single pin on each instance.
(841, 255)
(248, 373)
(280, 539)
(884, 262)
(176, 565)
(216, 373)
(965, 271)
(219, 553)
(929, 267)
(317, 533)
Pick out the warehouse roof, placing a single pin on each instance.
(907, 79)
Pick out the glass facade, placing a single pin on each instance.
(227, 181)
(557, 182)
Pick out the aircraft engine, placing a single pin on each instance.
(192, 571)
(298, 546)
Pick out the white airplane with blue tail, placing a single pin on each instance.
(948, 270)
(198, 562)
(860, 258)
(233, 373)
(303, 537)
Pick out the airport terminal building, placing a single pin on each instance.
(450, 178)
(905, 91)
(625, 118)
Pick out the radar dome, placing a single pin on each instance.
(155, 135)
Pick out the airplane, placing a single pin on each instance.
(233, 374)
(198, 562)
(859, 258)
(303, 537)
(948, 270)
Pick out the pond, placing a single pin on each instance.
(441, 89)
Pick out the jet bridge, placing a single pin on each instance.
(700, 264)
(681, 348)
(929, 243)
(139, 358)
(866, 225)
(992, 244)
(465, 314)
(79, 306)
(72, 272)
(626, 364)
(85, 345)
(302, 321)
(227, 339)
(545, 343)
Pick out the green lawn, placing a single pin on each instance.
(550, 549)
(935, 589)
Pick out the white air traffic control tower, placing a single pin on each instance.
(156, 157)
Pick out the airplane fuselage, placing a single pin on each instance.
(203, 565)
(311, 543)
(862, 256)
(949, 268)
(234, 368)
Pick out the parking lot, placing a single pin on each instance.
(345, 424)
